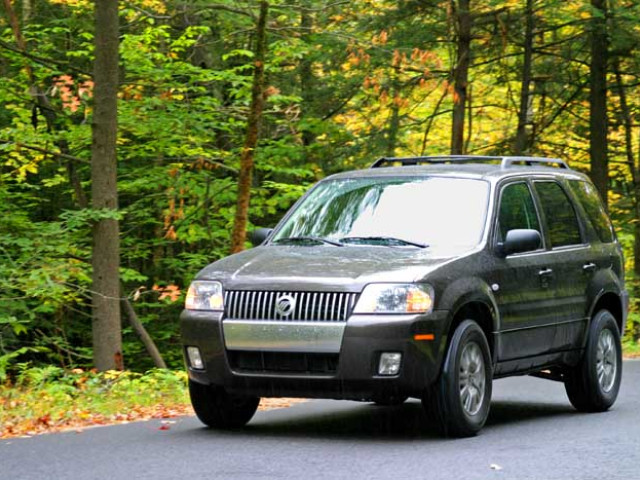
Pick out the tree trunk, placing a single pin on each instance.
(146, 339)
(598, 98)
(430, 120)
(26, 11)
(635, 174)
(461, 76)
(522, 143)
(469, 119)
(239, 233)
(394, 122)
(107, 335)
(307, 78)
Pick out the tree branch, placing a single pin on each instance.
(226, 8)
(48, 152)
(47, 62)
(146, 339)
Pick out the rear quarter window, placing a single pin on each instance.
(590, 200)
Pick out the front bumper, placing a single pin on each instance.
(355, 376)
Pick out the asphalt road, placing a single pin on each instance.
(532, 433)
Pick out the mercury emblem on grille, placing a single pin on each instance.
(285, 305)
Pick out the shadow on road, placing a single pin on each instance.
(505, 412)
(370, 422)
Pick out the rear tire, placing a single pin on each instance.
(218, 409)
(593, 385)
(459, 401)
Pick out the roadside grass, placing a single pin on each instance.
(630, 347)
(50, 399)
(44, 399)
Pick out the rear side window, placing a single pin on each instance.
(562, 222)
(517, 210)
(590, 200)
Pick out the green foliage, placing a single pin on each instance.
(8, 358)
(49, 397)
(347, 82)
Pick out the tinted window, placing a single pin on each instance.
(558, 211)
(517, 210)
(590, 200)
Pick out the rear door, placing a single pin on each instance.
(569, 257)
(603, 250)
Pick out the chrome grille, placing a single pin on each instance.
(309, 306)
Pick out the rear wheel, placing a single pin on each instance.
(460, 399)
(593, 385)
(218, 409)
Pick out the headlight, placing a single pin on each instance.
(203, 295)
(395, 298)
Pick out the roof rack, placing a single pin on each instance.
(504, 162)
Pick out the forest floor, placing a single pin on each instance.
(27, 427)
(50, 399)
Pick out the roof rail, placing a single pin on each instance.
(529, 161)
(504, 162)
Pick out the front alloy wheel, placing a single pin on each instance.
(471, 378)
(459, 401)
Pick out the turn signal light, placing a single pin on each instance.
(418, 301)
(424, 336)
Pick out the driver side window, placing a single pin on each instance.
(517, 210)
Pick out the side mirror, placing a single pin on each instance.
(520, 240)
(259, 235)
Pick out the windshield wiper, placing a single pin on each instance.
(383, 241)
(308, 239)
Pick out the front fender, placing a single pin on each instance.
(469, 290)
(472, 290)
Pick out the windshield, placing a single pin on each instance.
(434, 211)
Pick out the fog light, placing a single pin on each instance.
(389, 363)
(195, 360)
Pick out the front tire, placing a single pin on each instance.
(593, 385)
(218, 409)
(459, 401)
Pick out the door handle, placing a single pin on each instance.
(545, 271)
(589, 267)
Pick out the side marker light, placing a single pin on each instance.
(424, 336)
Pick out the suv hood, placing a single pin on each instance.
(322, 267)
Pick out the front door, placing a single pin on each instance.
(524, 284)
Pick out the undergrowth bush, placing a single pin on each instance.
(41, 398)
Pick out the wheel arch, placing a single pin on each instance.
(479, 311)
(472, 298)
(612, 302)
(606, 291)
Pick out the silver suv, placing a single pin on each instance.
(423, 277)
